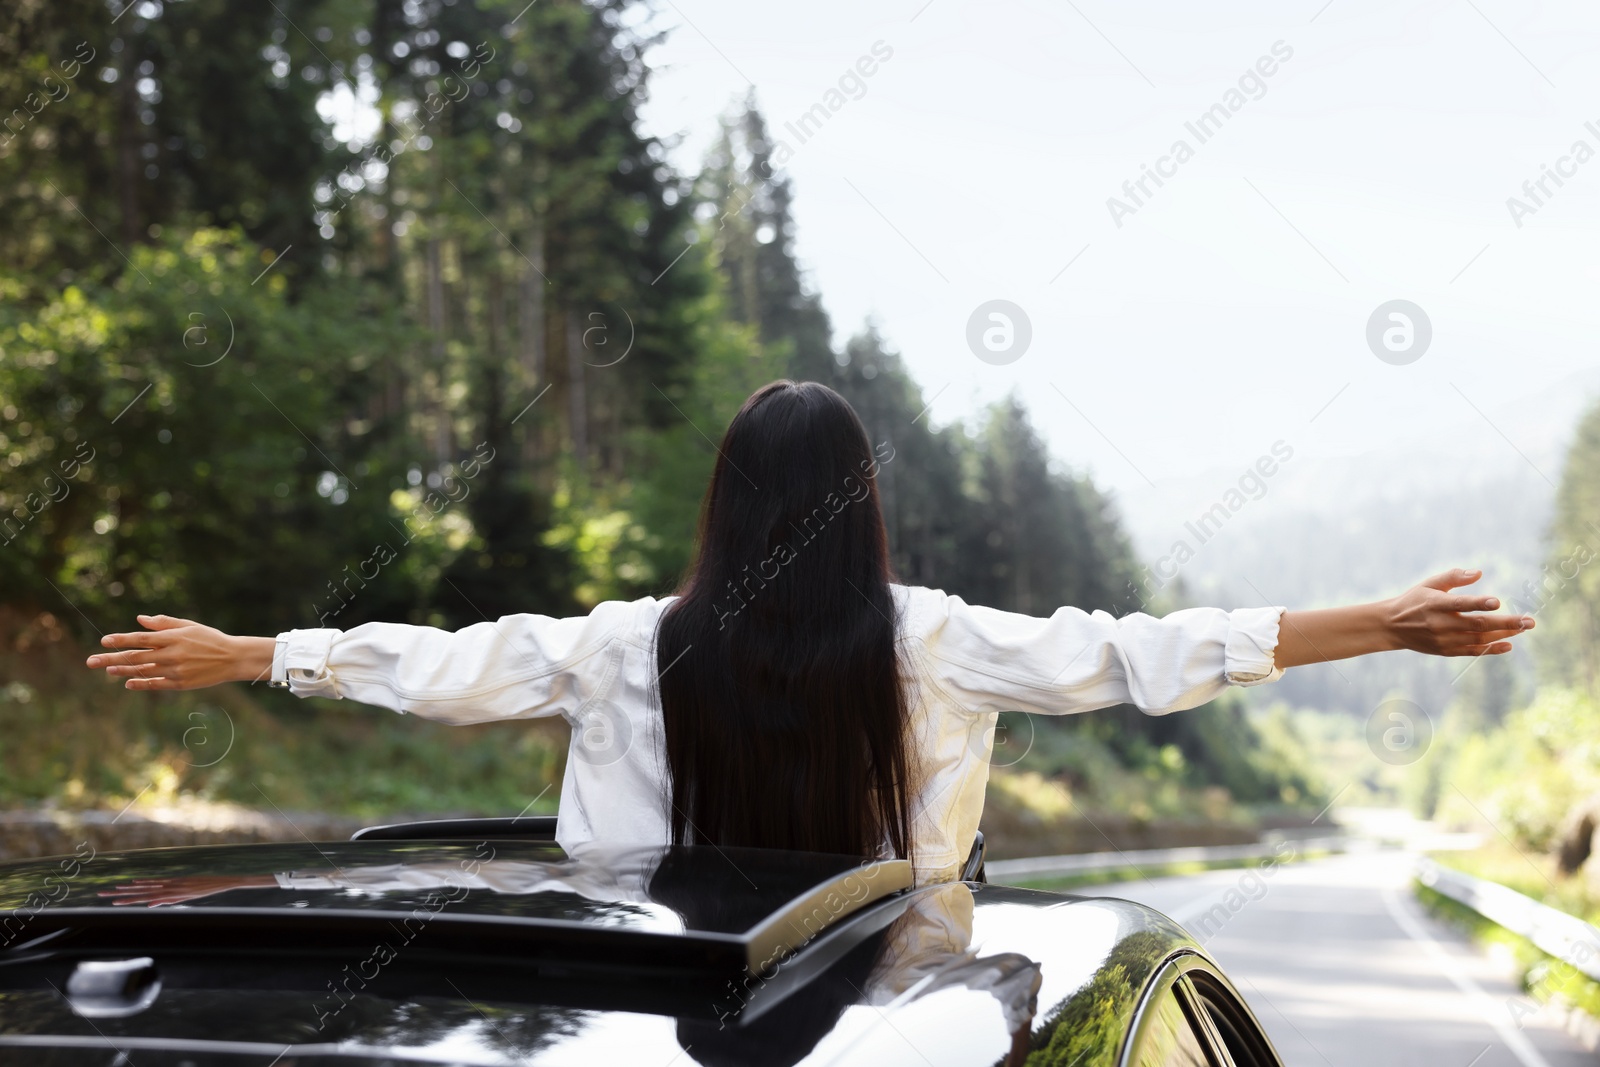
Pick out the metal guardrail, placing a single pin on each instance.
(1564, 936)
(1090, 862)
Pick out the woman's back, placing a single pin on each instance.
(784, 712)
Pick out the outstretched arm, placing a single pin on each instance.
(1077, 661)
(521, 666)
(1429, 618)
(183, 654)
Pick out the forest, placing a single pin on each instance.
(318, 312)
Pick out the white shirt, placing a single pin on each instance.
(963, 665)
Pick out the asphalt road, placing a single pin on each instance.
(1343, 967)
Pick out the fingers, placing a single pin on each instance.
(143, 639)
(1459, 602)
(137, 887)
(1452, 579)
(1459, 639)
(1473, 635)
(117, 659)
(135, 670)
(151, 683)
(154, 634)
(1489, 637)
(155, 899)
(1460, 645)
(134, 885)
(163, 622)
(140, 891)
(1484, 623)
(1498, 648)
(136, 663)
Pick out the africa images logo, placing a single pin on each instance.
(1399, 332)
(999, 332)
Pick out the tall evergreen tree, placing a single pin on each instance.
(934, 528)
(1053, 538)
(1566, 596)
(755, 235)
(201, 112)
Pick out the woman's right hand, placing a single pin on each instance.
(182, 654)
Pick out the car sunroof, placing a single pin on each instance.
(684, 906)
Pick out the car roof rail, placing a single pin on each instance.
(521, 827)
(972, 870)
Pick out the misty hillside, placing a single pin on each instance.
(1327, 531)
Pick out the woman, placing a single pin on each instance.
(791, 696)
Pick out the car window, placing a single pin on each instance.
(1236, 1032)
(1169, 1038)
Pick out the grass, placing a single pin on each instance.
(75, 739)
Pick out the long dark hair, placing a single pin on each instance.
(781, 693)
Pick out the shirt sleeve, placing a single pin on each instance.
(1076, 661)
(522, 666)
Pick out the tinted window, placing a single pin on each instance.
(1240, 1034)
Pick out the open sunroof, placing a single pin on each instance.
(699, 909)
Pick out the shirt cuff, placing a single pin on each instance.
(276, 678)
(305, 662)
(1252, 644)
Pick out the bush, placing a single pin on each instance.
(74, 739)
(1528, 774)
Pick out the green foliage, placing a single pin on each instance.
(1052, 539)
(1567, 596)
(1088, 1028)
(178, 119)
(754, 242)
(177, 440)
(634, 537)
(1526, 775)
(73, 738)
(1203, 761)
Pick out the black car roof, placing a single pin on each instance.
(733, 909)
(497, 971)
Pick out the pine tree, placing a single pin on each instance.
(755, 236)
(1566, 597)
(933, 525)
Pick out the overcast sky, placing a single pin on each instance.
(1230, 307)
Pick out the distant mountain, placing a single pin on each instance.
(1318, 532)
